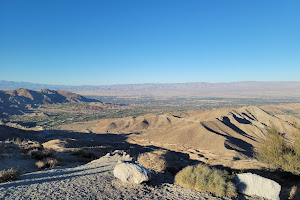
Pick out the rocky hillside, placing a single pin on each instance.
(15, 100)
(44, 96)
(229, 132)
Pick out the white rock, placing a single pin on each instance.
(131, 173)
(253, 184)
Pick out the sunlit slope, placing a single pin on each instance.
(220, 130)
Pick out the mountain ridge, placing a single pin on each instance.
(14, 101)
(242, 89)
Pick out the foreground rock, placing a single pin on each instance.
(131, 173)
(252, 184)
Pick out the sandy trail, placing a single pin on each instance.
(93, 180)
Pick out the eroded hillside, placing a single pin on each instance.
(228, 136)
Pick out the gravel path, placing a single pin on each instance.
(93, 180)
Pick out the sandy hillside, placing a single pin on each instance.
(292, 108)
(229, 134)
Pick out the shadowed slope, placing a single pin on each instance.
(224, 131)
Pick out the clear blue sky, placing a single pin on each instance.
(98, 42)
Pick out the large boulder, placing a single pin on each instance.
(253, 184)
(131, 173)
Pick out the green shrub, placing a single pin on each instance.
(8, 175)
(279, 153)
(206, 179)
(152, 161)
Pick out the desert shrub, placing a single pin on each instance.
(85, 153)
(42, 154)
(206, 179)
(279, 153)
(8, 175)
(30, 145)
(152, 161)
(46, 163)
(295, 192)
(16, 141)
(296, 146)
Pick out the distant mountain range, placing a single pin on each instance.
(13, 85)
(246, 89)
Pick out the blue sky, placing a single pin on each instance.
(104, 42)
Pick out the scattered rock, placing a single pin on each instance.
(253, 184)
(131, 173)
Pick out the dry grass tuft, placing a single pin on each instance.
(8, 175)
(16, 141)
(278, 153)
(206, 179)
(30, 145)
(47, 163)
(42, 154)
(152, 161)
(85, 153)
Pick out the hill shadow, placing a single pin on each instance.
(111, 142)
(226, 121)
(106, 143)
(233, 143)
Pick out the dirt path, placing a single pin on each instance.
(93, 180)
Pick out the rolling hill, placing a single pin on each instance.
(219, 135)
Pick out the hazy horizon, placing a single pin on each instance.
(136, 42)
(149, 83)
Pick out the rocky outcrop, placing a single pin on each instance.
(131, 173)
(253, 184)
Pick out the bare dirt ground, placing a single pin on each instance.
(93, 180)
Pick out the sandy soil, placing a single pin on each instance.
(93, 180)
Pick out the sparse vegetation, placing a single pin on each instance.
(152, 161)
(46, 163)
(17, 141)
(206, 179)
(279, 153)
(85, 153)
(293, 192)
(8, 175)
(42, 154)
